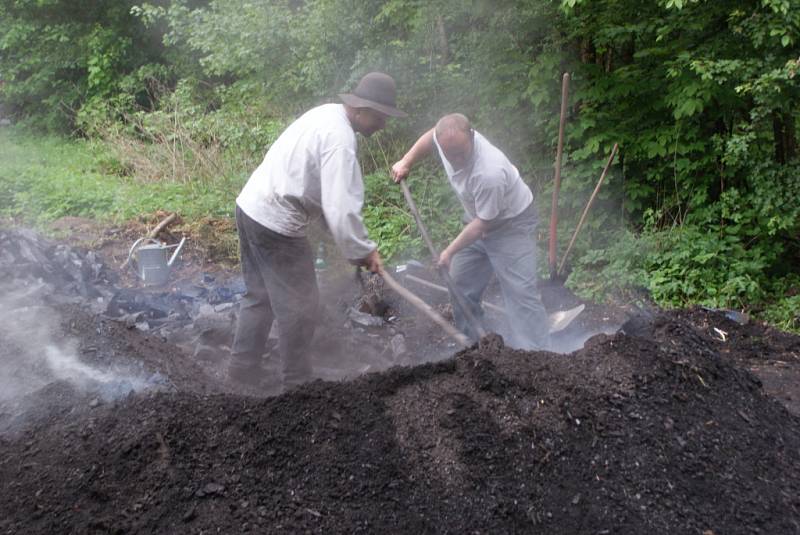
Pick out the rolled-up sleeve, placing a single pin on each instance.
(342, 192)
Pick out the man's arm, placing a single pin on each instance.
(473, 231)
(342, 192)
(488, 200)
(420, 149)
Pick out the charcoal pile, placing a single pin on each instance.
(197, 315)
(57, 348)
(772, 354)
(28, 260)
(657, 432)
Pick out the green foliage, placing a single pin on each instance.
(782, 307)
(54, 56)
(730, 254)
(694, 92)
(702, 98)
(391, 224)
(614, 272)
(692, 265)
(475, 57)
(182, 140)
(686, 266)
(393, 230)
(46, 179)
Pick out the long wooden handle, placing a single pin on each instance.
(425, 308)
(588, 205)
(413, 207)
(557, 178)
(440, 288)
(460, 300)
(164, 222)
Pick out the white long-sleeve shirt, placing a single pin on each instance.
(310, 171)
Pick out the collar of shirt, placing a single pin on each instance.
(458, 174)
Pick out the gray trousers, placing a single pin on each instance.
(508, 251)
(280, 286)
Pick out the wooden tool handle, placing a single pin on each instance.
(586, 210)
(458, 297)
(557, 178)
(425, 308)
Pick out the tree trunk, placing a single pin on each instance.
(587, 51)
(785, 135)
(441, 34)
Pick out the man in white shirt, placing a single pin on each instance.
(311, 171)
(499, 236)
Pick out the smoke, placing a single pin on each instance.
(34, 352)
(576, 339)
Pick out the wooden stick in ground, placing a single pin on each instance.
(588, 205)
(557, 178)
(162, 225)
(426, 309)
(439, 288)
(460, 300)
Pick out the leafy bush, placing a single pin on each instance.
(391, 224)
(615, 272)
(693, 265)
(784, 311)
(183, 141)
(54, 56)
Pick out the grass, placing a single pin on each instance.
(45, 178)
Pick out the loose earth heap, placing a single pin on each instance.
(661, 430)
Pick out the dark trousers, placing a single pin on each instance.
(281, 286)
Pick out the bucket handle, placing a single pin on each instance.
(178, 250)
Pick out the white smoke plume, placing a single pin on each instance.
(34, 352)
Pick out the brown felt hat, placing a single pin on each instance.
(376, 90)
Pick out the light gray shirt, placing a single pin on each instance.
(311, 171)
(489, 186)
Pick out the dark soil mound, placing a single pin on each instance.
(657, 433)
(771, 354)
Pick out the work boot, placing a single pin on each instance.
(297, 375)
(246, 371)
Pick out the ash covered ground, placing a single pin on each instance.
(115, 418)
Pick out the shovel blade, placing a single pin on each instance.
(560, 320)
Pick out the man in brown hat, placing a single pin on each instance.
(311, 171)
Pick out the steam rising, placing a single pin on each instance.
(33, 353)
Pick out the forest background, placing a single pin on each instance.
(171, 104)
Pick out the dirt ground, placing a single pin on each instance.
(677, 422)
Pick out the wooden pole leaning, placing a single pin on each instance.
(424, 308)
(588, 205)
(557, 178)
(459, 298)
